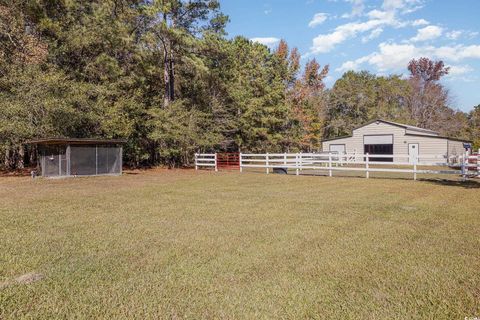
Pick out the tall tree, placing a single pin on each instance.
(427, 70)
(173, 24)
(309, 101)
(352, 98)
(474, 126)
(428, 99)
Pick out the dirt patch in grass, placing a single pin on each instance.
(29, 278)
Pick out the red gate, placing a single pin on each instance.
(228, 161)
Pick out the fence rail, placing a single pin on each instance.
(465, 165)
(206, 160)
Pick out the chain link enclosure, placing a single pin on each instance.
(79, 157)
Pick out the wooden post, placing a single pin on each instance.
(285, 159)
(330, 164)
(296, 165)
(240, 162)
(216, 163)
(367, 158)
(196, 163)
(266, 161)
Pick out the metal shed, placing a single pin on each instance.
(380, 137)
(65, 157)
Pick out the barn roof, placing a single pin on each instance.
(401, 125)
(430, 133)
(57, 141)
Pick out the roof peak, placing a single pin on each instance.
(406, 126)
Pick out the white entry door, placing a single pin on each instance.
(413, 152)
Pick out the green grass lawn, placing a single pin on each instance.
(181, 244)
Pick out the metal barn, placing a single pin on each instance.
(64, 157)
(382, 137)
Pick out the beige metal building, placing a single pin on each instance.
(386, 137)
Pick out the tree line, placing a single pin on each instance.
(164, 76)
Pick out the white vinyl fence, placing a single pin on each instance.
(367, 163)
(208, 160)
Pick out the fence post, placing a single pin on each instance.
(216, 162)
(478, 163)
(240, 161)
(367, 158)
(196, 163)
(266, 158)
(284, 159)
(329, 164)
(296, 164)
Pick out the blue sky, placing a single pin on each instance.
(376, 35)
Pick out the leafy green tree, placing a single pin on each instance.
(351, 101)
(172, 26)
(309, 105)
(474, 126)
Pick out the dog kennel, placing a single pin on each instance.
(63, 157)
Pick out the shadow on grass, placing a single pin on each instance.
(469, 184)
(131, 172)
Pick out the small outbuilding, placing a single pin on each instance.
(382, 137)
(65, 157)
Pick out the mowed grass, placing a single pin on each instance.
(199, 245)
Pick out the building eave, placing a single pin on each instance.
(336, 138)
(60, 141)
(438, 137)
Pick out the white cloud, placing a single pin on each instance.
(357, 9)
(428, 33)
(268, 41)
(329, 80)
(459, 70)
(395, 57)
(374, 34)
(393, 4)
(326, 42)
(348, 65)
(405, 6)
(419, 22)
(379, 14)
(392, 56)
(318, 19)
(377, 20)
(456, 34)
(472, 34)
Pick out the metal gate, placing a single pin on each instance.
(228, 161)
